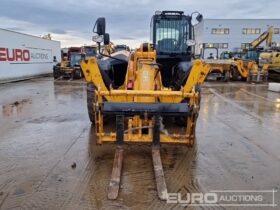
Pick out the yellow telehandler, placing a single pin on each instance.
(146, 89)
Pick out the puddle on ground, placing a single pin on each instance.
(15, 108)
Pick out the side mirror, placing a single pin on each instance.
(199, 17)
(100, 26)
(106, 39)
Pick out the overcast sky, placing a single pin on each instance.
(128, 21)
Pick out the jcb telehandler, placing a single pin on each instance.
(157, 81)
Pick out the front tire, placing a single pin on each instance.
(90, 100)
(234, 73)
(78, 74)
(56, 74)
(226, 77)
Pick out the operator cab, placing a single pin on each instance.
(75, 59)
(170, 32)
(172, 36)
(89, 51)
(253, 54)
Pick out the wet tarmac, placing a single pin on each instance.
(49, 159)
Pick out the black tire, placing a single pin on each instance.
(265, 76)
(90, 99)
(226, 77)
(249, 78)
(56, 74)
(234, 73)
(78, 74)
(181, 121)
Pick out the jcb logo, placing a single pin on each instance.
(7, 54)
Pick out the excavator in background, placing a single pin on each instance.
(146, 91)
(242, 65)
(268, 58)
(254, 50)
(265, 36)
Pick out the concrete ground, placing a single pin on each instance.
(44, 130)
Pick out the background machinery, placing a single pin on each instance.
(254, 50)
(112, 48)
(70, 64)
(243, 65)
(232, 67)
(89, 51)
(220, 68)
(231, 55)
(146, 92)
(121, 47)
(70, 61)
(270, 59)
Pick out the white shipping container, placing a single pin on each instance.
(24, 56)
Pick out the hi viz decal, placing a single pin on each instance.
(25, 55)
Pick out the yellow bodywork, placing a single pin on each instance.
(219, 66)
(64, 67)
(246, 68)
(143, 74)
(270, 60)
(108, 49)
(265, 36)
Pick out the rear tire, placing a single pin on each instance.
(90, 100)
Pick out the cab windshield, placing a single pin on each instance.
(90, 51)
(75, 59)
(171, 35)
